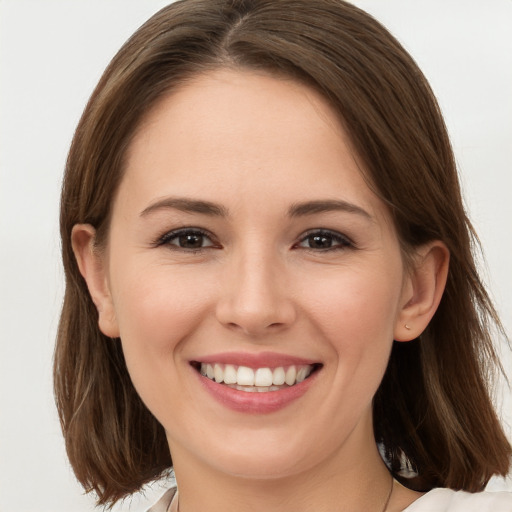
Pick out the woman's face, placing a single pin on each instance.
(244, 237)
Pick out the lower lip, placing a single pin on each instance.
(255, 402)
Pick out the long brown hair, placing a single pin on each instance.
(433, 408)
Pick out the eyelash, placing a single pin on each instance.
(342, 242)
(167, 238)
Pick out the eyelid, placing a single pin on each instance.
(343, 241)
(166, 238)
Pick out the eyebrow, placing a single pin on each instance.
(330, 205)
(296, 210)
(186, 205)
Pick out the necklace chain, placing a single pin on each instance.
(386, 503)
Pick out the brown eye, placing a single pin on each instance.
(319, 242)
(190, 241)
(186, 239)
(325, 240)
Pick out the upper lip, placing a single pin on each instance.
(259, 360)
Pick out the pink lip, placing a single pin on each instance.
(261, 360)
(256, 403)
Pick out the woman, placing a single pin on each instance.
(269, 274)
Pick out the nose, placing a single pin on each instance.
(254, 297)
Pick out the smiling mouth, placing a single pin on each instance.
(256, 380)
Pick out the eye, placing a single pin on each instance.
(324, 240)
(188, 239)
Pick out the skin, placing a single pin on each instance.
(256, 146)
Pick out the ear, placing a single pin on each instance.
(92, 266)
(422, 291)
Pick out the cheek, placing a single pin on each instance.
(355, 315)
(158, 304)
(156, 310)
(361, 304)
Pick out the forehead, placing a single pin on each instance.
(245, 131)
(235, 103)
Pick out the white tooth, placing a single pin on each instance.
(230, 374)
(245, 376)
(274, 388)
(218, 373)
(203, 368)
(263, 377)
(248, 389)
(262, 389)
(291, 374)
(209, 371)
(302, 373)
(278, 376)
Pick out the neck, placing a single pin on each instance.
(352, 479)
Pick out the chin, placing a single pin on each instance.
(262, 455)
(263, 466)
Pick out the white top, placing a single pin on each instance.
(162, 505)
(446, 500)
(437, 500)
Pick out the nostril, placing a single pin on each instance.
(255, 328)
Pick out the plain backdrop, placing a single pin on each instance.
(51, 55)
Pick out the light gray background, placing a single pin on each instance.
(51, 55)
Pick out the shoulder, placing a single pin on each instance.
(447, 500)
(162, 505)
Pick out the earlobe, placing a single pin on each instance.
(93, 269)
(423, 290)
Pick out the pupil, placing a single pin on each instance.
(191, 241)
(320, 242)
